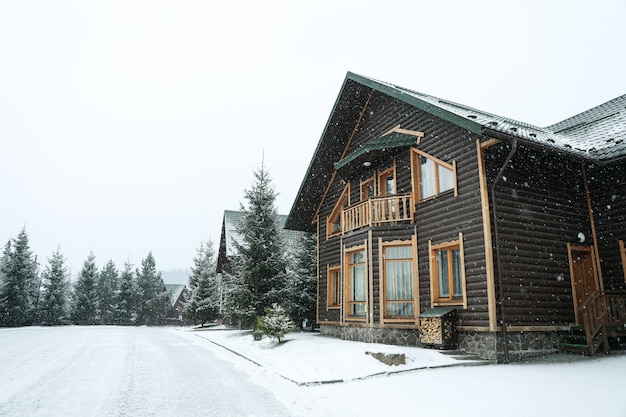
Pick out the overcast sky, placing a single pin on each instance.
(130, 126)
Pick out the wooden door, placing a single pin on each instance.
(584, 279)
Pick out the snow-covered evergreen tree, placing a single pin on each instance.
(276, 322)
(85, 296)
(302, 280)
(203, 302)
(126, 299)
(19, 291)
(152, 298)
(259, 263)
(54, 308)
(107, 293)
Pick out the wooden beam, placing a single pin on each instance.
(356, 127)
(596, 254)
(487, 238)
(622, 251)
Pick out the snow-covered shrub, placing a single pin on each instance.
(276, 323)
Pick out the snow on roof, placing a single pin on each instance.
(598, 133)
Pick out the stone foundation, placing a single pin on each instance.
(486, 345)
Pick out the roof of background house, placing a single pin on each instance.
(174, 290)
(232, 218)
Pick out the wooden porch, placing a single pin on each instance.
(378, 211)
(603, 316)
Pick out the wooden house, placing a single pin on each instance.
(178, 297)
(421, 204)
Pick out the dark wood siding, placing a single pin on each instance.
(438, 219)
(607, 186)
(541, 207)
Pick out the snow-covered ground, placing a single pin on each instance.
(136, 371)
(430, 383)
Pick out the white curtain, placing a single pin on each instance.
(399, 281)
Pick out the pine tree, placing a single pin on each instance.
(85, 306)
(107, 292)
(276, 323)
(126, 299)
(259, 263)
(302, 280)
(203, 303)
(54, 305)
(152, 297)
(19, 292)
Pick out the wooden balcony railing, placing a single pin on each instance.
(600, 311)
(378, 211)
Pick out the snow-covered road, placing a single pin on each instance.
(121, 371)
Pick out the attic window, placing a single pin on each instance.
(493, 123)
(568, 146)
(471, 116)
(513, 129)
(550, 140)
(534, 135)
(619, 141)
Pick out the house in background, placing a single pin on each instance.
(229, 237)
(421, 204)
(178, 297)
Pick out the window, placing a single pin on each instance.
(334, 280)
(399, 288)
(355, 281)
(387, 182)
(431, 176)
(368, 189)
(447, 273)
(334, 225)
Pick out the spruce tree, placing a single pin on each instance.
(126, 299)
(259, 263)
(20, 287)
(107, 293)
(152, 298)
(302, 280)
(54, 305)
(203, 303)
(85, 306)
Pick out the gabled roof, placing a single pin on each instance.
(230, 236)
(174, 290)
(598, 134)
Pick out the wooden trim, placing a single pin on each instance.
(317, 266)
(415, 175)
(337, 211)
(434, 276)
(456, 188)
(346, 317)
(332, 269)
(381, 173)
(622, 251)
(416, 277)
(489, 266)
(372, 180)
(369, 267)
(463, 280)
(356, 126)
(487, 144)
(431, 265)
(398, 129)
(383, 280)
(596, 254)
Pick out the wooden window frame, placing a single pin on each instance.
(434, 278)
(366, 183)
(383, 270)
(382, 179)
(622, 251)
(342, 201)
(346, 299)
(415, 174)
(333, 287)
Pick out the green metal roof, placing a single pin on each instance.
(375, 147)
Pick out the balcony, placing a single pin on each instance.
(378, 211)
